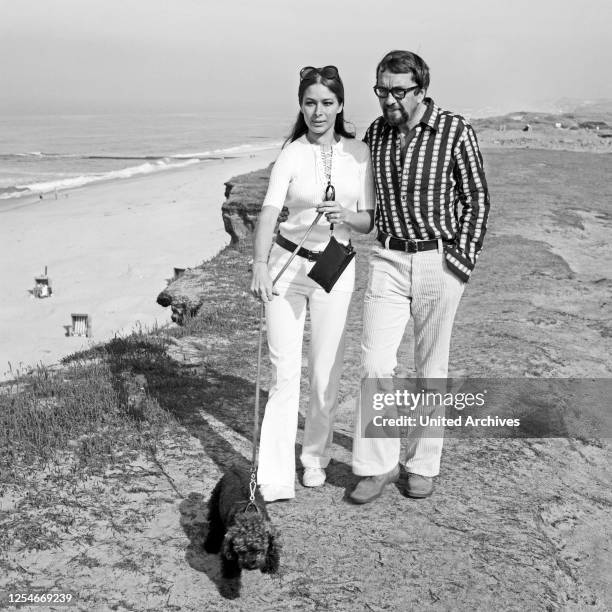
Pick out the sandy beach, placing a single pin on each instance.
(109, 249)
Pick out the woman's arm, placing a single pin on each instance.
(280, 177)
(261, 282)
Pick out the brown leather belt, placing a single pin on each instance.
(290, 246)
(408, 246)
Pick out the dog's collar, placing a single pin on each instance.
(248, 506)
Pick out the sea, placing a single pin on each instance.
(44, 154)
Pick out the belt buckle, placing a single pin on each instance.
(312, 255)
(411, 246)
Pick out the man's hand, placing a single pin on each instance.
(261, 283)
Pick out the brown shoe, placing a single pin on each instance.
(418, 486)
(371, 487)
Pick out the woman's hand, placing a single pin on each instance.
(334, 212)
(261, 283)
(361, 221)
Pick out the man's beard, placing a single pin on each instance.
(395, 120)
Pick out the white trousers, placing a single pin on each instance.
(402, 285)
(285, 316)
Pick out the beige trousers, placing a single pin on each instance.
(400, 286)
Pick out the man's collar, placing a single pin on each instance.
(431, 117)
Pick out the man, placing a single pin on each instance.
(431, 216)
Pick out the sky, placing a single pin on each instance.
(106, 56)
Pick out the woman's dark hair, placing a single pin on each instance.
(334, 84)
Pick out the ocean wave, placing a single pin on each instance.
(40, 155)
(86, 179)
(12, 191)
(243, 148)
(61, 180)
(236, 149)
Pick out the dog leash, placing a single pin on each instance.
(254, 459)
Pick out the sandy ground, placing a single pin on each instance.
(514, 524)
(545, 137)
(109, 250)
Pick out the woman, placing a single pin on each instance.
(321, 152)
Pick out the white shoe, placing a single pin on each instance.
(313, 477)
(272, 493)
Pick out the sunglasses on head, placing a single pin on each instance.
(327, 72)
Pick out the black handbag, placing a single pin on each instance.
(331, 263)
(334, 258)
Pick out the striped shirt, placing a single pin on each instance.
(441, 191)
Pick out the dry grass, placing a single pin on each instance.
(77, 407)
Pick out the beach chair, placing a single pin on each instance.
(81, 325)
(42, 287)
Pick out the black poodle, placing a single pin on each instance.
(242, 532)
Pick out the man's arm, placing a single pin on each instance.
(473, 195)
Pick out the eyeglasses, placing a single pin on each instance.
(399, 93)
(327, 72)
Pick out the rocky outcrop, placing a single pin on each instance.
(210, 282)
(186, 293)
(243, 198)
